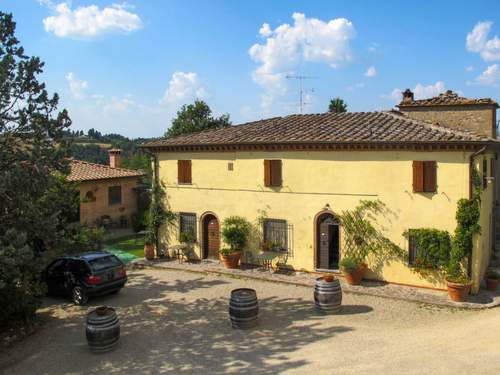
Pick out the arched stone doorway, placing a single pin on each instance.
(327, 241)
(210, 239)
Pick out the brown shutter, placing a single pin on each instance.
(180, 171)
(418, 176)
(275, 172)
(430, 176)
(187, 172)
(267, 173)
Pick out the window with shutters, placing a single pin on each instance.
(275, 235)
(272, 173)
(187, 223)
(424, 177)
(114, 195)
(184, 171)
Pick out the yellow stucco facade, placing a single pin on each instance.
(340, 179)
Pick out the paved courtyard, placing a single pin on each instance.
(176, 322)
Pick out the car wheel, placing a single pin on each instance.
(79, 296)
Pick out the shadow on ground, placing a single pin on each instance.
(164, 330)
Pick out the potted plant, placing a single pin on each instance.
(492, 280)
(149, 247)
(353, 269)
(235, 231)
(457, 281)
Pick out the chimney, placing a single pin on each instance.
(407, 96)
(115, 157)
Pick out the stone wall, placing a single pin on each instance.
(92, 209)
(481, 119)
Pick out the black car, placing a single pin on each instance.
(85, 275)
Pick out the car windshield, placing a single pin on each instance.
(104, 262)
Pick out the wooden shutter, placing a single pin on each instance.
(430, 176)
(418, 176)
(184, 171)
(267, 172)
(275, 172)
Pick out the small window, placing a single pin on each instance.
(89, 197)
(230, 166)
(272, 173)
(424, 177)
(114, 195)
(275, 235)
(414, 252)
(184, 171)
(187, 223)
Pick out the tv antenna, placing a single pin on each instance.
(300, 78)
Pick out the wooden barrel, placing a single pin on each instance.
(243, 308)
(102, 329)
(327, 295)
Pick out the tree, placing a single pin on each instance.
(337, 105)
(36, 202)
(194, 118)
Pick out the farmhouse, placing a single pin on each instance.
(108, 194)
(294, 175)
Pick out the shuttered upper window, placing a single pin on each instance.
(184, 171)
(424, 176)
(272, 173)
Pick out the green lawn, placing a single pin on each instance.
(126, 248)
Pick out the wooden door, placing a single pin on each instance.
(324, 246)
(213, 238)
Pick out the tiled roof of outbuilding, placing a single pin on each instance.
(446, 98)
(363, 127)
(85, 171)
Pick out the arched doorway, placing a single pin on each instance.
(210, 236)
(327, 241)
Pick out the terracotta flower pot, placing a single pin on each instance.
(354, 278)
(328, 278)
(231, 260)
(458, 292)
(149, 251)
(492, 284)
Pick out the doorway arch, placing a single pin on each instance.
(326, 241)
(210, 236)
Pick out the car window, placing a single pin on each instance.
(104, 262)
(78, 267)
(56, 266)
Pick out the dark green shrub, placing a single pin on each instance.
(235, 231)
(433, 247)
(349, 264)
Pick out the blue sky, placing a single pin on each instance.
(128, 67)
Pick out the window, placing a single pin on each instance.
(114, 195)
(485, 173)
(230, 166)
(184, 171)
(424, 177)
(187, 223)
(89, 197)
(272, 173)
(275, 235)
(414, 251)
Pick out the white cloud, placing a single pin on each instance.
(265, 30)
(77, 88)
(371, 72)
(183, 87)
(477, 41)
(88, 22)
(469, 69)
(420, 91)
(307, 40)
(359, 85)
(490, 77)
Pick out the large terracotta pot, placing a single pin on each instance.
(149, 251)
(354, 278)
(492, 284)
(458, 292)
(231, 260)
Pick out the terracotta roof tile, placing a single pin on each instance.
(372, 127)
(446, 98)
(85, 171)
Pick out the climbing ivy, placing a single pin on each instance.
(433, 247)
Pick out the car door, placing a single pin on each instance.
(55, 277)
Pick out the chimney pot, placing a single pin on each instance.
(407, 96)
(115, 157)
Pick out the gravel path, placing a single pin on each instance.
(177, 323)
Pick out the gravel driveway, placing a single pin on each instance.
(177, 323)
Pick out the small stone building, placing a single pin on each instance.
(108, 193)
